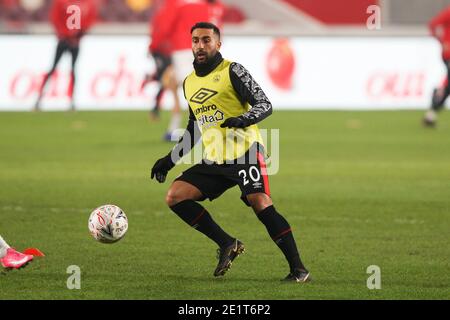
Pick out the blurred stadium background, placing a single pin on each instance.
(300, 16)
(359, 188)
(300, 50)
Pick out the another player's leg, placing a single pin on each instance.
(74, 50)
(3, 247)
(281, 233)
(438, 100)
(175, 116)
(182, 67)
(154, 113)
(10, 258)
(172, 84)
(163, 67)
(60, 48)
(181, 198)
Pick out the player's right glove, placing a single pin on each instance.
(234, 122)
(161, 168)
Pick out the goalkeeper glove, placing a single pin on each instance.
(161, 168)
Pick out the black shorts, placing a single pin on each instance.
(66, 45)
(162, 62)
(248, 172)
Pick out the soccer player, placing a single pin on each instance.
(163, 61)
(174, 17)
(10, 258)
(440, 28)
(68, 38)
(225, 104)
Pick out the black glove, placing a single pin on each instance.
(234, 122)
(161, 168)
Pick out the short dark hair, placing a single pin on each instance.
(206, 25)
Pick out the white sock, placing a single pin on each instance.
(175, 122)
(3, 247)
(431, 115)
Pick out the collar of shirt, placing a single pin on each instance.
(204, 69)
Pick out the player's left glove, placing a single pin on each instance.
(161, 168)
(234, 122)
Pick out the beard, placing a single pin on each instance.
(203, 58)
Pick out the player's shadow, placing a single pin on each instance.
(34, 264)
(223, 279)
(7, 271)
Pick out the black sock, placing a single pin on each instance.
(280, 232)
(439, 101)
(158, 98)
(197, 217)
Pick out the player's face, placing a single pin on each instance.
(205, 45)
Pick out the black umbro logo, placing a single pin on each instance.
(202, 95)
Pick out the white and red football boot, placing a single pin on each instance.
(15, 259)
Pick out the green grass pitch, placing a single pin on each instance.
(358, 188)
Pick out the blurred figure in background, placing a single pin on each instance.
(440, 28)
(163, 63)
(175, 19)
(69, 35)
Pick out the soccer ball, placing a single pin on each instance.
(108, 223)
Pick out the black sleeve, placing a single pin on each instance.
(190, 137)
(191, 115)
(184, 91)
(250, 91)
